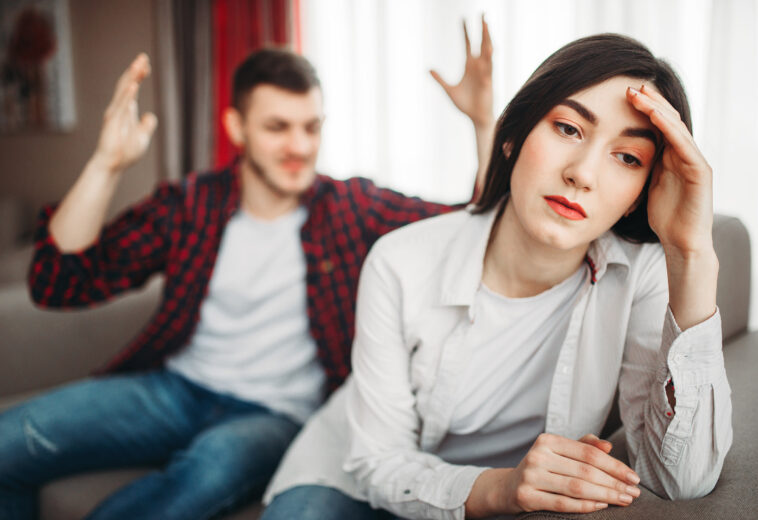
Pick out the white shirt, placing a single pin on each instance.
(513, 340)
(415, 307)
(252, 340)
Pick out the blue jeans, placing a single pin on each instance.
(320, 503)
(217, 451)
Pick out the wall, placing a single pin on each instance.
(39, 167)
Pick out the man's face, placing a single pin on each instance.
(281, 132)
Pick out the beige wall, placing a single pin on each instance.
(39, 167)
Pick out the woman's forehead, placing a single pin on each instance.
(606, 103)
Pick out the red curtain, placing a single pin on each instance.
(239, 28)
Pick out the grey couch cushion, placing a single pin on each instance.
(41, 348)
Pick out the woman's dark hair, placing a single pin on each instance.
(278, 67)
(574, 67)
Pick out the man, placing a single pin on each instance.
(261, 264)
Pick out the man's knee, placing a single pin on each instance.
(258, 441)
(317, 503)
(24, 448)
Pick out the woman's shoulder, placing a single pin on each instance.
(415, 254)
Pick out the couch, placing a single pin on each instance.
(40, 349)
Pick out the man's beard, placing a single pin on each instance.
(260, 172)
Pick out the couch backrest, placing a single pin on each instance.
(732, 244)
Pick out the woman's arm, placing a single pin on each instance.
(123, 140)
(675, 398)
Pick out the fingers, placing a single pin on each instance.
(667, 120)
(591, 455)
(594, 440)
(468, 41)
(586, 490)
(148, 123)
(441, 81)
(543, 500)
(486, 47)
(128, 84)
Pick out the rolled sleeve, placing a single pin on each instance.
(682, 450)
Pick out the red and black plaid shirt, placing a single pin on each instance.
(178, 230)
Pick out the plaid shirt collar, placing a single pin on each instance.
(233, 194)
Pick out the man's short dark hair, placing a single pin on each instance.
(278, 67)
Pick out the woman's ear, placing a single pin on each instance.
(507, 149)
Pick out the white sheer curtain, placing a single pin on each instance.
(387, 119)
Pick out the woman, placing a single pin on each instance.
(489, 340)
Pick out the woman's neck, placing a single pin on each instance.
(518, 266)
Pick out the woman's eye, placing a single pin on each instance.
(566, 129)
(628, 159)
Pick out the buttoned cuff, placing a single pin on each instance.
(451, 491)
(694, 356)
(692, 361)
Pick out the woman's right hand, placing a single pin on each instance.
(124, 137)
(557, 474)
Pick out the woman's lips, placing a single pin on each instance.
(566, 208)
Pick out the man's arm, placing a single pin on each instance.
(473, 96)
(77, 261)
(124, 138)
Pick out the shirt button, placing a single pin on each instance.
(565, 369)
(407, 492)
(327, 266)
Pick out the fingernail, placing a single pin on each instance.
(635, 492)
(633, 478)
(625, 498)
(600, 505)
(634, 91)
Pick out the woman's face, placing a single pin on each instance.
(583, 166)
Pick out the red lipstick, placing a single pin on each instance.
(566, 208)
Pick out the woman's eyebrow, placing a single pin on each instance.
(587, 114)
(641, 132)
(583, 111)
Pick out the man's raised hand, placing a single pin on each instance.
(125, 136)
(473, 93)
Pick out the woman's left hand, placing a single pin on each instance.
(680, 199)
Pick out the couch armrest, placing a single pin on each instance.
(40, 348)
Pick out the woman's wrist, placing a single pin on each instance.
(488, 495)
(692, 280)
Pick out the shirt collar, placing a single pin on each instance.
(463, 265)
(233, 191)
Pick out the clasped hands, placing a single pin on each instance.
(556, 474)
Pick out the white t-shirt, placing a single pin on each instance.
(513, 340)
(253, 340)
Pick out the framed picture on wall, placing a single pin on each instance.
(36, 84)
